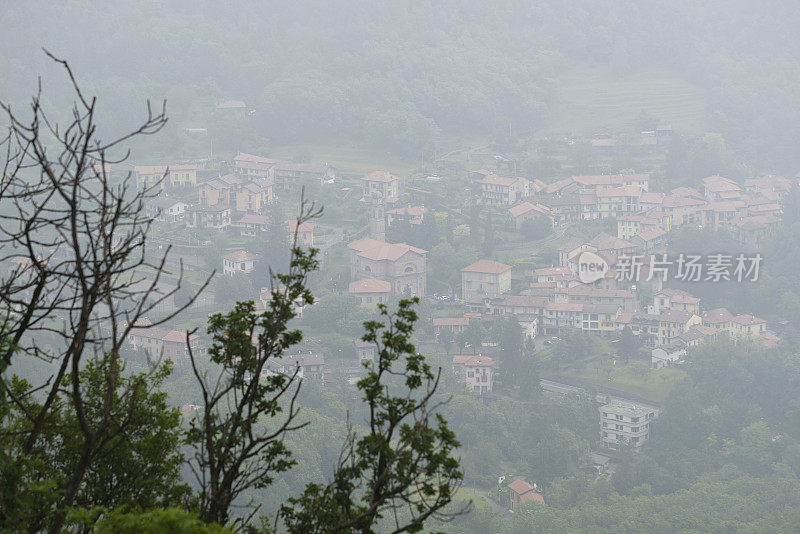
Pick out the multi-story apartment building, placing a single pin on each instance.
(503, 189)
(625, 424)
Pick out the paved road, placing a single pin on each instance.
(558, 387)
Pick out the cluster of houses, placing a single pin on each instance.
(555, 298)
(236, 201)
(751, 212)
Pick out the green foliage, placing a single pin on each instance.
(172, 520)
(342, 314)
(136, 466)
(403, 462)
(233, 288)
(536, 228)
(238, 437)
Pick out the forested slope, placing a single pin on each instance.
(400, 76)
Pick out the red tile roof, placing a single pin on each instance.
(487, 266)
(369, 285)
(240, 255)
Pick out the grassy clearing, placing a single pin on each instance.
(346, 158)
(636, 377)
(594, 99)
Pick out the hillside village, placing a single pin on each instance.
(240, 204)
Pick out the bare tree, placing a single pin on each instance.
(248, 402)
(77, 269)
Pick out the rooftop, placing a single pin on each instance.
(240, 255)
(369, 285)
(380, 176)
(487, 266)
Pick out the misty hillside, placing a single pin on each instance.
(405, 77)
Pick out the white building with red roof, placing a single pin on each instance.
(240, 261)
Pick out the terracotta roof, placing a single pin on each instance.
(252, 218)
(604, 241)
(240, 255)
(565, 306)
(521, 209)
(365, 243)
(479, 361)
(520, 486)
(686, 192)
(374, 249)
(672, 201)
(487, 266)
(769, 340)
(675, 316)
(389, 251)
(176, 336)
(717, 315)
(678, 295)
(653, 233)
(748, 320)
(494, 179)
(704, 330)
(291, 225)
(380, 176)
(559, 185)
(622, 191)
(369, 285)
(152, 332)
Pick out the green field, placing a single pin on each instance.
(589, 100)
(348, 159)
(635, 377)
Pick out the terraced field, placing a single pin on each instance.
(590, 100)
